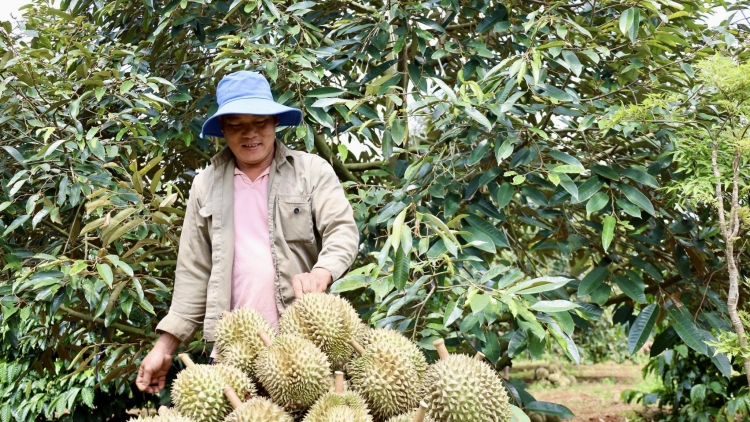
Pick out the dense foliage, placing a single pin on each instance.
(494, 208)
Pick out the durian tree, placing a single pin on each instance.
(494, 209)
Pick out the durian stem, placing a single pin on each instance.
(479, 356)
(421, 412)
(264, 338)
(440, 346)
(186, 360)
(358, 347)
(234, 399)
(339, 382)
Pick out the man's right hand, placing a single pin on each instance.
(152, 375)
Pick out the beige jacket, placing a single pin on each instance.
(309, 218)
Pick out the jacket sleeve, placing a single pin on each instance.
(188, 307)
(334, 220)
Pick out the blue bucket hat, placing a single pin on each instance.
(246, 92)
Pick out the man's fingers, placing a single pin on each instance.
(144, 379)
(297, 286)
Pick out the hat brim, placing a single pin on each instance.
(287, 116)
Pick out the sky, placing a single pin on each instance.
(9, 8)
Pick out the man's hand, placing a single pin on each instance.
(316, 280)
(152, 374)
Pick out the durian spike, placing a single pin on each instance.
(339, 382)
(163, 410)
(234, 399)
(264, 338)
(358, 347)
(479, 356)
(421, 412)
(186, 360)
(440, 346)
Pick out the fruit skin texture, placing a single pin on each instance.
(294, 372)
(329, 321)
(259, 409)
(163, 416)
(237, 342)
(463, 389)
(408, 417)
(198, 391)
(389, 373)
(320, 411)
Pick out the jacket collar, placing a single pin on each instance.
(282, 154)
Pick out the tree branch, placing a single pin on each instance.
(656, 287)
(371, 165)
(121, 327)
(322, 146)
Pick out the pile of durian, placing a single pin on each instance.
(325, 365)
(553, 374)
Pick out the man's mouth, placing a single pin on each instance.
(250, 146)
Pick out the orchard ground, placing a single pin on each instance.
(596, 396)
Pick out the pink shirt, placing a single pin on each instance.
(253, 271)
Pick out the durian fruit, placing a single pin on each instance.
(198, 390)
(322, 409)
(536, 417)
(165, 415)
(257, 409)
(459, 388)
(329, 321)
(346, 414)
(388, 373)
(418, 415)
(237, 343)
(293, 371)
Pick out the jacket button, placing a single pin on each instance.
(296, 210)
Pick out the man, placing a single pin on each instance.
(263, 224)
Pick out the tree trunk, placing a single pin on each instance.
(732, 299)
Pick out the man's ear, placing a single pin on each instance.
(276, 119)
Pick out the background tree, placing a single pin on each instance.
(495, 211)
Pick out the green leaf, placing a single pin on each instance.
(687, 331)
(478, 302)
(400, 269)
(498, 238)
(639, 174)
(492, 273)
(663, 341)
(398, 131)
(630, 22)
(567, 168)
(642, 327)
(573, 64)
(553, 306)
(325, 92)
(549, 409)
(126, 87)
(555, 93)
(608, 231)
(15, 154)
(349, 283)
(272, 69)
(628, 207)
(632, 285)
(15, 224)
(452, 313)
(539, 285)
(597, 202)
(593, 280)
(504, 195)
(105, 272)
(635, 196)
(478, 117)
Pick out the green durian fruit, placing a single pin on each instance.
(293, 371)
(459, 388)
(409, 417)
(198, 391)
(236, 335)
(389, 373)
(259, 409)
(346, 414)
(329, 321)
(320, 411)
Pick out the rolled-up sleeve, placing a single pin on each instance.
(334, 220)
(193, 271)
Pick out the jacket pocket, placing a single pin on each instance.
(296, 219)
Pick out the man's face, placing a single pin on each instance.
(251, 138)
